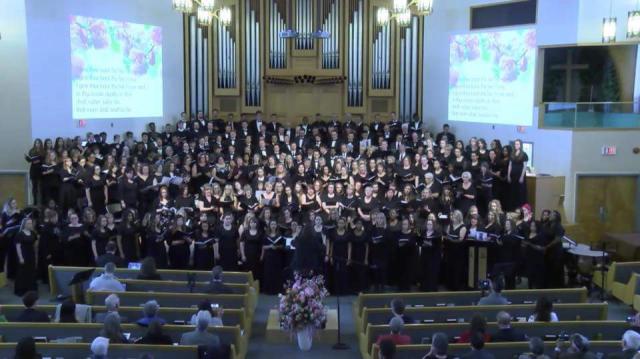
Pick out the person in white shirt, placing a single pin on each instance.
(543, 312)
(107, 282)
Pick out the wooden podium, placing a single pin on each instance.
(477, 262)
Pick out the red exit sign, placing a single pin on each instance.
(609, 150)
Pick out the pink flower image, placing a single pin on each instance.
(473, 50)
(508, 69)
(453, 78)
(152, 58)
(156, 36)
(99, 35)
(523, 64)
(77, 67)
(530, 39)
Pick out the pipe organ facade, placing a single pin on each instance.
(362, 67)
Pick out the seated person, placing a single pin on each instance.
(635, 323)
(477, 348)
(495, 293)
(107, 281)
(578, 348)
(99, 348)
(112, 304)
(543, 311)
(68, 312)
(148, 270)
(216, 314)
(30, 314)
(387, 349)
(26, 348)
(477, 325)
(155, 335)
(150, 311)
(505, 332)
(395, 325)
(112, 329)
(110, 256)
(200, 336)
(439, 347)
(630, 346)
(397, 309)
(536, 350)
(216, 286)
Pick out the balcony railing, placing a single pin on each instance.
(590, 115)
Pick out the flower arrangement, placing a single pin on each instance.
(301, 305)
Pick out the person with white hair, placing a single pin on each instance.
(578, 348)
(99, 348)
(150, 311)
(630, 346)
(112, 304)
(200, 336)
(107, 281)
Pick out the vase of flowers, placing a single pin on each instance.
(301, 308)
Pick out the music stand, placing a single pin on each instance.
(78, 281)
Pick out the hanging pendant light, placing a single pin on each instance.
(204, 17)
(424, 7)
(399, 6)
(609, 26)
(383, 16)
(184, 6)
(404, 19)
(633, 24)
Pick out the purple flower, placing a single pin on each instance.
(156, 36)
(77, 67)
(508, 69)
(99, 35)
(473, 50)
(453, 78)
(530, 39)
(523, 64)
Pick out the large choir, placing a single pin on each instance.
(371, 204)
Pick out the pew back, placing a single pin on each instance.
(83, 350)
(177, 300)
(565, 311)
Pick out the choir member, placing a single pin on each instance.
(226, 246)
(406, 243)
(430, 255)
(358, 257)
(379, 248)
(251, 247)
(340, 242)
(516, 174)
(203, 255)
(272, 257)
(178, 241)
(128, 237)
(96, 191)
(455, 253)
(26, 242)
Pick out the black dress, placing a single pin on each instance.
(228, 247)
(26, 273)
(252, 250)
(178, 249)
(455, 259)
(67, 192)
(100, 238)
(379, 255)
(155, 244)
(74, 247)
(129, 238)
(430, 260)
(96, 193)
(49, 250)
(360, 271)
(517, 190)
(340, 255)
(203, 256)
(407, 260)
(508, 258)
(534, 265)
(463, 203)
(273, 262)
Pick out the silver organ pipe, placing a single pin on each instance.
(252, 51)
(192, 67)
(381, 67)
(409, 70)
(226, 56)
(277, 23)
(199, 66)
(355, 53)
(331, 46)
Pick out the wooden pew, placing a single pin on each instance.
(83, 350)
(60, 276)
(169, 286)
(620, 281)
(499, 350)
(174, 300)
(594, 330)
(13, 332)
(565, 311)
(432, 299)
(231, 317)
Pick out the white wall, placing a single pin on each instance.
(50, 69)
(593, 11)
(15, 118)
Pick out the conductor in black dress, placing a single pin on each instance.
(309, 253)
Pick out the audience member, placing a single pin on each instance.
(495, 293)
(635, 323)
(505, 332)
(216, 286)
(477, 348)
(395, 325)
(107, 281)
(477, 325)
(536, 350)
(155, 335)
(200, 336)
(543, 311)
(26, 349)
(148, 270)
(216, 314)
(99, 348)
(397, 309)
(630, 345)
(150, 311)
(112, 304)
(387, 349)
(68, 312)
(112, 329)
(439, 347)
(30, 314)
(110, 256)
(578, 348)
